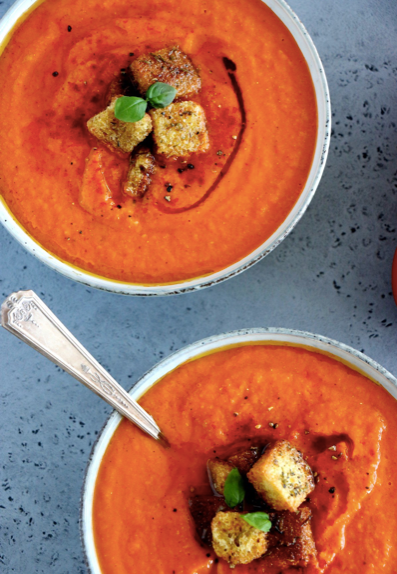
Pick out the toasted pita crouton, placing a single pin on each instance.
(291, 540)
(142, 166)
(245, 459)
(282, 477)
(180, 129)
(287, 526)
(169, 65)
(118, 135)
(218, 471)
(235, 540)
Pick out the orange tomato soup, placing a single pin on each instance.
(54, 76)
(141, 515)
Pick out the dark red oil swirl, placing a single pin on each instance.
(231, 69)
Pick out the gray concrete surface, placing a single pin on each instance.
(330, 276)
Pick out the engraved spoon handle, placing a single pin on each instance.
(25, 315)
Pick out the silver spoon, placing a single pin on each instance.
(26, 316)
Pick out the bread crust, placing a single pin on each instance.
(180, 129)
(236, 541)
(169, 65)
(117, 135)
(282, 477)
(142, 167)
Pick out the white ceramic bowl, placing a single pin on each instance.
(291, 21)
(339, 351)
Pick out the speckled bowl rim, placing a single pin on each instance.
(289, 18)
(339, 351)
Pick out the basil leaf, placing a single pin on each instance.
(160, 95)
(130, 109)
(234, 488)
(259, 520)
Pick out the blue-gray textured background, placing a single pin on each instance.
(330, 276)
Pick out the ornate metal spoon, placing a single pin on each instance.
(25, 315)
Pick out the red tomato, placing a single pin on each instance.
(394, 277)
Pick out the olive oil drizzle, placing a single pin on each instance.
(231, 69)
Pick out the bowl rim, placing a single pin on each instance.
(279, 336)
(306, 45)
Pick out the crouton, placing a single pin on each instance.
(291, 540)
(236, 541)
(218, 471)
(287, 526)
(118, 135)
(282, 477)
(169, 65)
(180, 129)
(203, 509)
(142, 166)
(245, 459)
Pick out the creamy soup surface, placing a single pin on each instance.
(261, 113)
(142, 521)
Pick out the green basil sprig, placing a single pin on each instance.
(259, 520)
(160, 95)
(132, 109)
(233, 491)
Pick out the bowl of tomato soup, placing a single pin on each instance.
(267, 108)
(325, 398)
